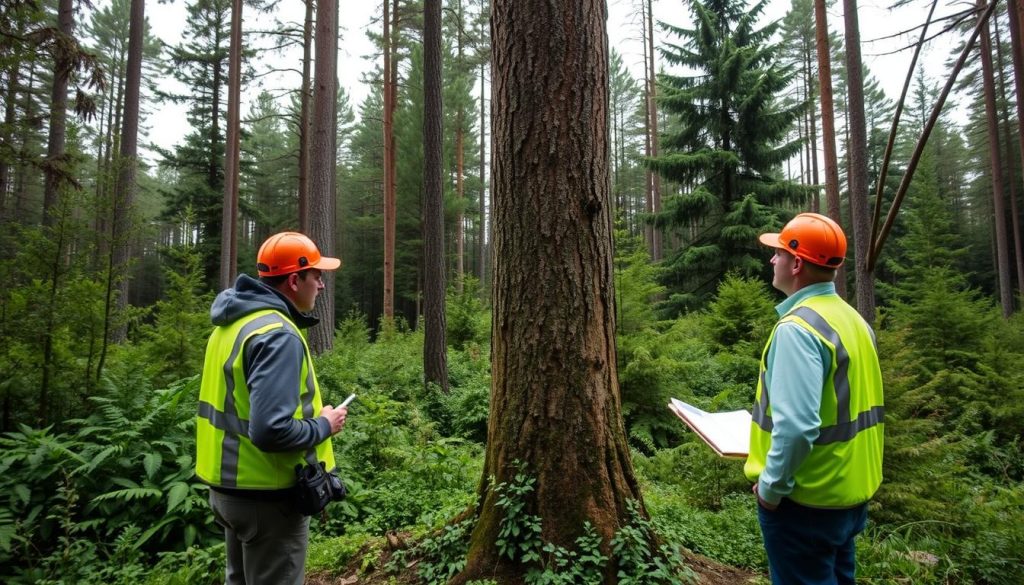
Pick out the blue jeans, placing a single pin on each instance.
(811, 546)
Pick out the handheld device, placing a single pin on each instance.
(350, 398)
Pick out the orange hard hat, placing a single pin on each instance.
(289, 252)
(813, 237)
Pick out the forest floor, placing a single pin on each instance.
(359, 572)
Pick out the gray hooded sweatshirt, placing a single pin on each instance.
(273, 366)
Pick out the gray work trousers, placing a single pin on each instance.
(266, 541)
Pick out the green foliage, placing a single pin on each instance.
(632, 548)
(726, 141)
(333, 553)
(115, 485)
(441, 555)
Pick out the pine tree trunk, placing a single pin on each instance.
(652, 110)
(484, 237)
(232, 143)
(554, 386)
(126, 186)
(390, 207)
(1016, 17)
(55, 164)
(435, 362)
(828, 124)
(996, 170)
(304, 130)
(323, 165)
(10, 109)
(860, 216)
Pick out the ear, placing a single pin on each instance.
(798, 265)
(293, 281)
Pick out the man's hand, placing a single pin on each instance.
(761, 502)
(335, 416)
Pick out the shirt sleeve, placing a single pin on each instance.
(273, 373)
(795, 378)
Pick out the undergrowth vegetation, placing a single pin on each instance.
(109, 496)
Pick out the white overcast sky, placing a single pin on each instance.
(167, 126)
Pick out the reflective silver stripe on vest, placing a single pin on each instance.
(307, 397)
(229, 446)
(847, 431)
(844, 431)
(223, 422)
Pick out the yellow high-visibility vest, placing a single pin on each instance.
(844, 466)
(226, 457)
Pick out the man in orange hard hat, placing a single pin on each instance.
(817, 429)
(261, 414)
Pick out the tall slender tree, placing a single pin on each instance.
(229, 221)
(857, 150)
(435, 362)
(323, 164)
(996, 168)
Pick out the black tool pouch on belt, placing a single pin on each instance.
(316, 488)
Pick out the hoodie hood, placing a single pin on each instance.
(250, 295)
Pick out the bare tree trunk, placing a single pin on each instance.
(828, 124)
(229, 216)
(55, 165)
(652, 111)
(859, 217)
(554, 385)
(1015, 17)
(303, 130)
(323, 165)
(390, 207)
(435, 361)
(484, 237)
(998, 205)
(812, 119)
(126, 186)
(10, 110)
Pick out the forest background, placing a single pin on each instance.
(110, 266)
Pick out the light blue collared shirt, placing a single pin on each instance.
(797, 364)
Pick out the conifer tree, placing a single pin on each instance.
(728, 147)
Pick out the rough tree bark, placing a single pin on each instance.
(323, 165)
(232, 145)
(554, 382)
(860, 217)
(435, 362)
(828, 122)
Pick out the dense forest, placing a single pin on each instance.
(528, 228)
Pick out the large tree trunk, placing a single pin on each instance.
(996, 169)
(554, 386)
(828, 123)
(390, 206)
(56, 168)
(323, 165)
(229, 215)
(435, 362)
(860, 216)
